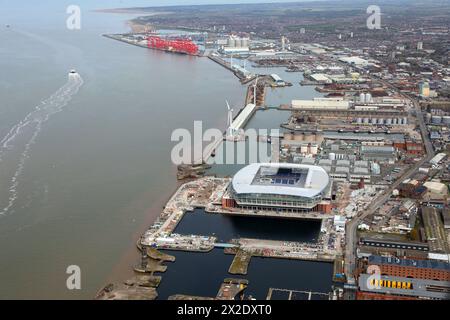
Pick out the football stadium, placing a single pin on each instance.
(279, 187)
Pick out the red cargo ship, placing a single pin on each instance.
(177, 45)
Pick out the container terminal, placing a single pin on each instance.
(168, 43)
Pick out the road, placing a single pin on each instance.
(351, 227)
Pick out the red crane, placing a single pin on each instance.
(178, 45)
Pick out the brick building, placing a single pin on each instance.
(408, 268)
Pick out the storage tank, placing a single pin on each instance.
(313, 149)
(428, 117)
(388, 121)
(405, 120)
(366, 120)
(400, 120)
(359, 120)
(373, 120)
(245, 42)
(304, 148)
(332, 156)
(394, 121)
(380, 121)
(446, 119)
(231, 42)
(368, 98)
(436, 119)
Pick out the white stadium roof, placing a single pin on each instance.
(315, 180)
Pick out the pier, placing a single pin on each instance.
(238, 72)
(140, 287)
(201, 193)
(338, 270)
(240, 262)
(286, 249)
(152, 261)
(231, 288)
(297, 295)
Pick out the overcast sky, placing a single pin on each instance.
(7, 4)
(125, 3)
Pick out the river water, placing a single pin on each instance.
(85, 165)
(99, 170)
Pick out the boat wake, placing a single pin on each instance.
(23, 135)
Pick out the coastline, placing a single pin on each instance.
(123, 270)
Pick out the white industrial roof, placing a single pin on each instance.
(355, 60)
(436, 187)
(361, 163)
(320, 103)
(438, 158)
(275, 77)
(360, 170)
(320, 77)
(239, 121)
(316, 180)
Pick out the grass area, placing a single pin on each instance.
(240, 262)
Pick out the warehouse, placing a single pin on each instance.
(409, 268)
(321, 103)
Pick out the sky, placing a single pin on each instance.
(178, 2)
(149, 3)
(29, 11)
(5, 4)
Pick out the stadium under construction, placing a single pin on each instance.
(280, 187)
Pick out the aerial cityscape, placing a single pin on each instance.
(240, 151)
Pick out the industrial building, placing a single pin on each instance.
(279, 187)
(357, 61)
(420, 288)
(437, 191)
(393, 244)
(434, 230)
(438, 158)
(320, 78)
(278, 81)
(424, 89)
(321, 103)
(409, 268)
(378, 153)
(235, 45)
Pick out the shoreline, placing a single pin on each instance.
(122, 270)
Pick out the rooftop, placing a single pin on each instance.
(427, 264)
(281, 179)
